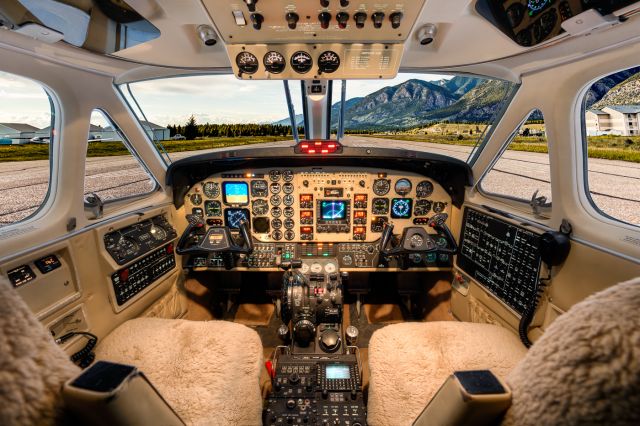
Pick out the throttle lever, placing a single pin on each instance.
(387, 232)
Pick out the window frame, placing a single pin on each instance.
(514, 201)
(584, 153)
(134, 153)
(54, 147)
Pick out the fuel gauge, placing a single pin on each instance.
(301, 62)
(328, 62)
(274, 62)
(247, 62)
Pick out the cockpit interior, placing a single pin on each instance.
(320, 212)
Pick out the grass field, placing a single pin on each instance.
(607, 147)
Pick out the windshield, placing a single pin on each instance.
(443, 114)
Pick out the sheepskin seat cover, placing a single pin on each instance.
(32, 367)
(410, 361)
(585, 369)
(208, 371)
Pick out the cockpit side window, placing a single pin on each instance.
(522, 173)
(113, 171)
(26, 139)
(611, 119)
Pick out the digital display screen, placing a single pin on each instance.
(235, 193)
(338, 372)
(401, 208)
(333, 210)
(232, 217)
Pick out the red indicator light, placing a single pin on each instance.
(306, 214)
(306, 197)
(359, 230)
(360, 214)
(361, 197)
(306, 230)
(318, 147)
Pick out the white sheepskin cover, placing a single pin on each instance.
(208, 371)
(585, 369)
(410, 361)
(32, 367)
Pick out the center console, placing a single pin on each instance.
(316, 374)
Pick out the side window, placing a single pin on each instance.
(523, 169)
(112, 172)
(612, 145)
(26, 118)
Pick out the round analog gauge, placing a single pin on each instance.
(424, 189)
(288, 212)
(401, 209)
(289, 223)
(380, 206)
(422, 207)
(287, 188)
(274, 175)
(212, 208)
(416, 241)
(316, 268)
(247, 62)
(276, 212)
(274, 62)
(275, 200)
(536, 5)
(211, 189)
(275, 188)
(330, 268)
(301, 62)
(259, 188)
(196, 199)
(127, 247)
(328, 62)
(158, 233)
(441, 242)
(288, 200)
(403, 187)
(381, 186)
(289, 235)
(287, 175)
(305, 268)
(439, 206)
(260, 208)
(276, 224)
(276, 235)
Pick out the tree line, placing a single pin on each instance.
(191, 130)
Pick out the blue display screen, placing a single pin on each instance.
(235, 192)
(333, 210)
(338, 372)
(401, 208)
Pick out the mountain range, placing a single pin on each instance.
(459, 99)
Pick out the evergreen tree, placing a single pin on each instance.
(191, 128)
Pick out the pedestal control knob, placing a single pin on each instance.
(283, 333)
(351, 334)
(291, 404)
(251, 4)
(377, 18)
(304, 332)
(360, 18)
(395, 18)
(329, 341)
(343, 19)
(294, 378)
(325, 19)
(257, 20)
(292, 20)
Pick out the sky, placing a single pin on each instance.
(213, 99)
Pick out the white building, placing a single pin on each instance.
(18, 133)
(620, 120)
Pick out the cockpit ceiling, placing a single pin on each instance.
(337, 39)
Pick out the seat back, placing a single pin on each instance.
(32, 367)
(585, 369)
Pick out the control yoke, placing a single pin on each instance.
(417, 240)
(218, 239)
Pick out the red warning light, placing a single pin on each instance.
(360, 214)
(318, 147)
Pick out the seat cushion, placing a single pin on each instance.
(208, 371)
(410, 361)
(585, 369)
(32, 367)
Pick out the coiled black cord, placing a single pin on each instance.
(529, 313)
(85, 356)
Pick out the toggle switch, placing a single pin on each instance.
(360, 18)
(377, 18)
(292, 20)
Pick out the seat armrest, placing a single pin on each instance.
(116, 394)
(467, 398)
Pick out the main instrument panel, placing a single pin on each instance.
(332, 212)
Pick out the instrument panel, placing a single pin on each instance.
(321, 205)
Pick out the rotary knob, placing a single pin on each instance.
(395, 18)
(377, 18)
(304, 332)
(329, 341)
(324, 3)
(292, 20)
(325, 19)
(360, 18)
(343, 19)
